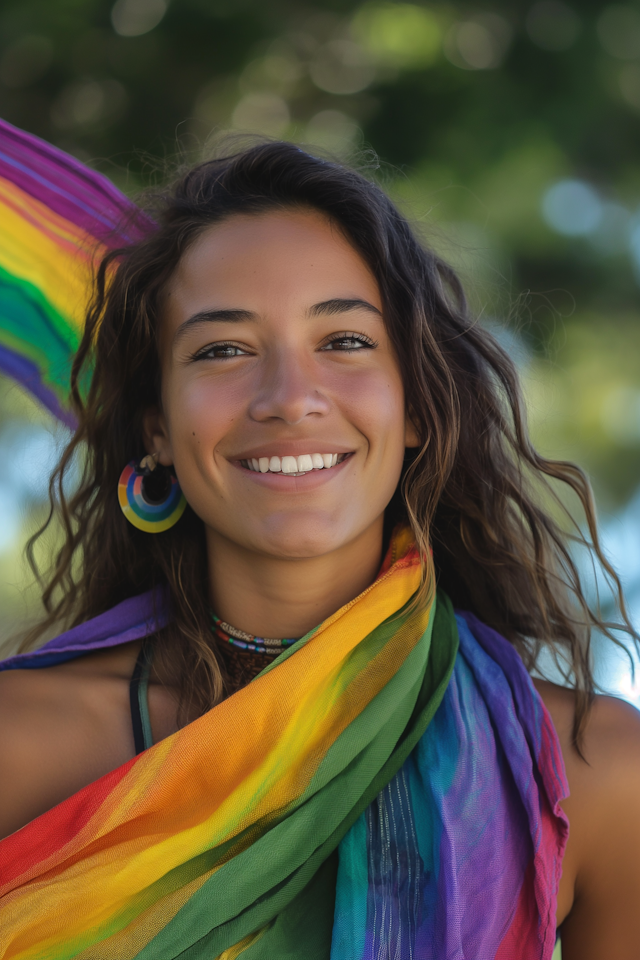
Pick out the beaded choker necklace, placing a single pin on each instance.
(245, 641)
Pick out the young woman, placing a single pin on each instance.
(266, 733)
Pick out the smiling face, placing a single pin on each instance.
(282, 402)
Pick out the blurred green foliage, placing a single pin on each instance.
(477, 111)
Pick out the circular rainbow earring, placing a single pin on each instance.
(150, 495)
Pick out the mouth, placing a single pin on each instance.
(294, 466)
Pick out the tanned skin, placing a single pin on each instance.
(285, 370)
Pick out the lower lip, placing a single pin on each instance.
(289, 483)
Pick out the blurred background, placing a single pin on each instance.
(508, 132)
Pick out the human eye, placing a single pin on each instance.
(347, 342)
(220, 351)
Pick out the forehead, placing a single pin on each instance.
(293, 257)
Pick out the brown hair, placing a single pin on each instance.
(476, 489)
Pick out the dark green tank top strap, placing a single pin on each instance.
(139, 699)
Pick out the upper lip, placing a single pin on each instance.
(291, 448)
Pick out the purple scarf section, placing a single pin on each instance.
(132, 619)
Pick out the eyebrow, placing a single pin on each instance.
(327, 308)
(339, 305)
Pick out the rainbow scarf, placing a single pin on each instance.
(388, 787)
(222, 834)
(57, 219)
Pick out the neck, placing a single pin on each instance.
(277, 597)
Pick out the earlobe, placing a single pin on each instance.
(411, 438)
(155, 435)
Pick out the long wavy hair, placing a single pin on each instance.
(475, 490)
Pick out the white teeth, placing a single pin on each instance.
(296, 466)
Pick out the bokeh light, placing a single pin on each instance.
(342, 67)
(399, 34)
(333, 130)
(261, 113)
(619, 31)
(479, 43)
(553, 25)
(572, 207)
(133, 18)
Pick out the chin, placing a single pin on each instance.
(303, 537)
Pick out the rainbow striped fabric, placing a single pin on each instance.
(57, 217)
(388, 787)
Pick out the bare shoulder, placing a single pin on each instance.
(611, 745)
(60, 728)
(602, 863)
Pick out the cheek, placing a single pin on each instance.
(200, 414)
(374, 402)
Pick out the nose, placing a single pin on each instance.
(288, 391)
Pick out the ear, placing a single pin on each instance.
(156, 436)
(411, 438)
